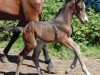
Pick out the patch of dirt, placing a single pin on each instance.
(28, 67)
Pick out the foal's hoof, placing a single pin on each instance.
(4, 59)
(67, 71)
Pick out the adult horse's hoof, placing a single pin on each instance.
(41, 73)
(51, 70)
(4, 59)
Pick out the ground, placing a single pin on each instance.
(28, 67)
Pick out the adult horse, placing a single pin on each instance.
(57, 30)
(24, 11)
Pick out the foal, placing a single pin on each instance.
(57, 30)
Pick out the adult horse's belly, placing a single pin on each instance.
(7, 16)
(10, 6)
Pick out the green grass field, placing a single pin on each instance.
(60, 51)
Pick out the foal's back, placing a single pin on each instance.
(41, 30)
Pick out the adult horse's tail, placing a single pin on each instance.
(11, 28)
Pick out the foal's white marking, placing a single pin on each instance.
(38, 1)
(85, 17)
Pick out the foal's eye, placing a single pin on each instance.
(81, 9)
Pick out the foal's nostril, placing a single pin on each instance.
(86, 21)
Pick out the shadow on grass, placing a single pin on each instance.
(13, 59)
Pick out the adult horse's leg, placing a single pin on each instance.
(6, 50)
(13, 39)
(75, 48)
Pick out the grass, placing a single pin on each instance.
(63, 52)
(17, 46)
(60, 51)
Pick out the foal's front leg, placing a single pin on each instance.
(75, 48)
(73, 65)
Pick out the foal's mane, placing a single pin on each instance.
(60, 10)
(63, 7)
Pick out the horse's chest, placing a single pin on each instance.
(67, 29)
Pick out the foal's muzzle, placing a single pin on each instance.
(85, 21)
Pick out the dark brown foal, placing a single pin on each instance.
(24, 11)
(57, 30)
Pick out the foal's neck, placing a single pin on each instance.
(65, 15)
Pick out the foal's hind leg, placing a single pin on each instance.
(30, 44)
(75, 48)
(13, 39)
(27, 49)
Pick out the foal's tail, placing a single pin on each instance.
(11, 28)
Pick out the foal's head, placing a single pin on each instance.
(79, 11)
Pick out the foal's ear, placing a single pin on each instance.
(77, 1)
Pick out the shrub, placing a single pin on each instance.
(87, 33)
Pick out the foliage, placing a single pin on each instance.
(87, 33)
(5, 35)
(63, 52)
(51, 7)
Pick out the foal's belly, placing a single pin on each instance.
(48, 37)
(47, 34)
